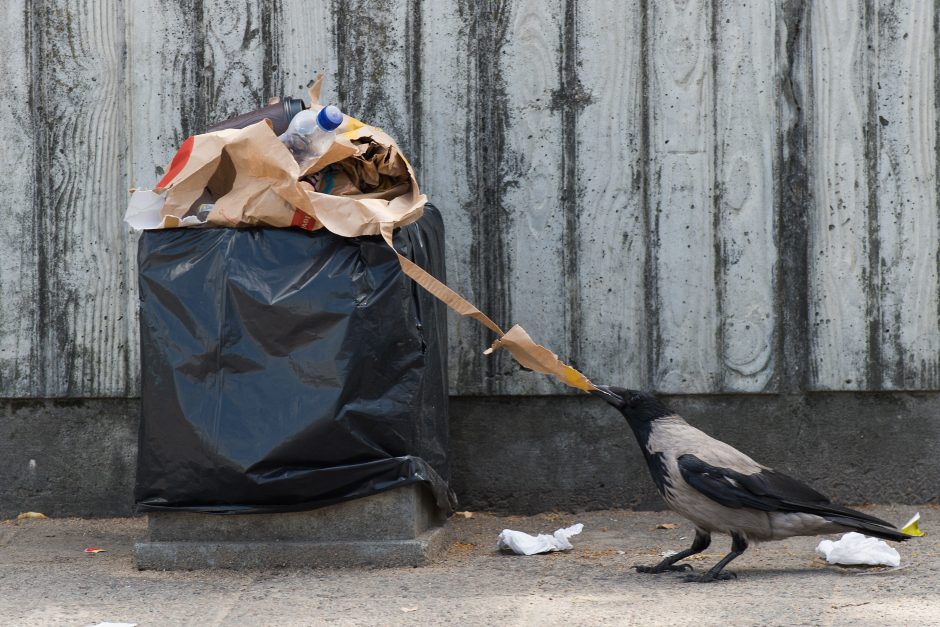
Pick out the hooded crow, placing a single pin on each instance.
(720, 489)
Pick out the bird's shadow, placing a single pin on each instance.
(759, 574)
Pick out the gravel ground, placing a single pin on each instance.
(47, 579)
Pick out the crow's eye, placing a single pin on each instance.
(635, 400)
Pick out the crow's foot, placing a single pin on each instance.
(724, 575)
(660, 568)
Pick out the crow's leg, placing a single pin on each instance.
(738, 546)
(701, 542)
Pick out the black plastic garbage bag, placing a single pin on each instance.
(285, 370)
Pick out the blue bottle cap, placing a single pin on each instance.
(329, 118)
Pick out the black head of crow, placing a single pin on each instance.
(720, 489)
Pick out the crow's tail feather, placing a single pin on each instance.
(858, 521)
(850, 518)
(869, 529)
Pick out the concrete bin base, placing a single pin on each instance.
(401, 527)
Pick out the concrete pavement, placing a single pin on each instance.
(47, 579)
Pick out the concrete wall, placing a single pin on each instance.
(696, 196)
(523, 455)
(700, 197)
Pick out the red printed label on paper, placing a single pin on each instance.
(178, 163)
(304, 221)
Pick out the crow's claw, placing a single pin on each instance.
(662, 569)
(708, 577)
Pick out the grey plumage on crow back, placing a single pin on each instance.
(720, 489)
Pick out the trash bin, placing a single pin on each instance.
(287, 370)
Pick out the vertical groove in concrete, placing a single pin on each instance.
(872, 302)
(794, 109)
(936, 54)
(339, 36)
(272, 27)
(414, 79)
(720, 258)
(488, 118)
(571, 100)
(650, 222)
(38, 218)
(199, 119)
(778, 380)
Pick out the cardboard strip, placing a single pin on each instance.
(440, 291)
(536, 357)
(531, 355)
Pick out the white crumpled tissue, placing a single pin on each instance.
(854, 549)
(523, 544)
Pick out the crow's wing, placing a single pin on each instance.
(767, 490)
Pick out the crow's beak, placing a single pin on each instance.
(604, 392)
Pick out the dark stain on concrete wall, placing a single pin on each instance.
(272, 26)
(570, 99)
(367, 34)
(795, 195)
(489, 174)
(650, 220)
(873, 372)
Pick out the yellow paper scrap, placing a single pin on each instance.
(912, 528)
(31, 516)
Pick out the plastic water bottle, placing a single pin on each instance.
(311, 134)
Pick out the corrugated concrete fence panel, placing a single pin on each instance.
(905, 101)
(839, 237)
(532, 172)
(20, 344)
(453, 172)
(65, 259)
(681, 197)
(746, 147)
(608, 322)
(699, 197)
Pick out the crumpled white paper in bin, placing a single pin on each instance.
(854, 549)
(144, 212)
(523, 544)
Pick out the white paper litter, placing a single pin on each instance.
(523, 544)
(143, 212)
(856, 549)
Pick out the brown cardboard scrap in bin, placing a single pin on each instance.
(254, 180)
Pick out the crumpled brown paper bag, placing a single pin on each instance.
(249, 172)
(256, 181)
